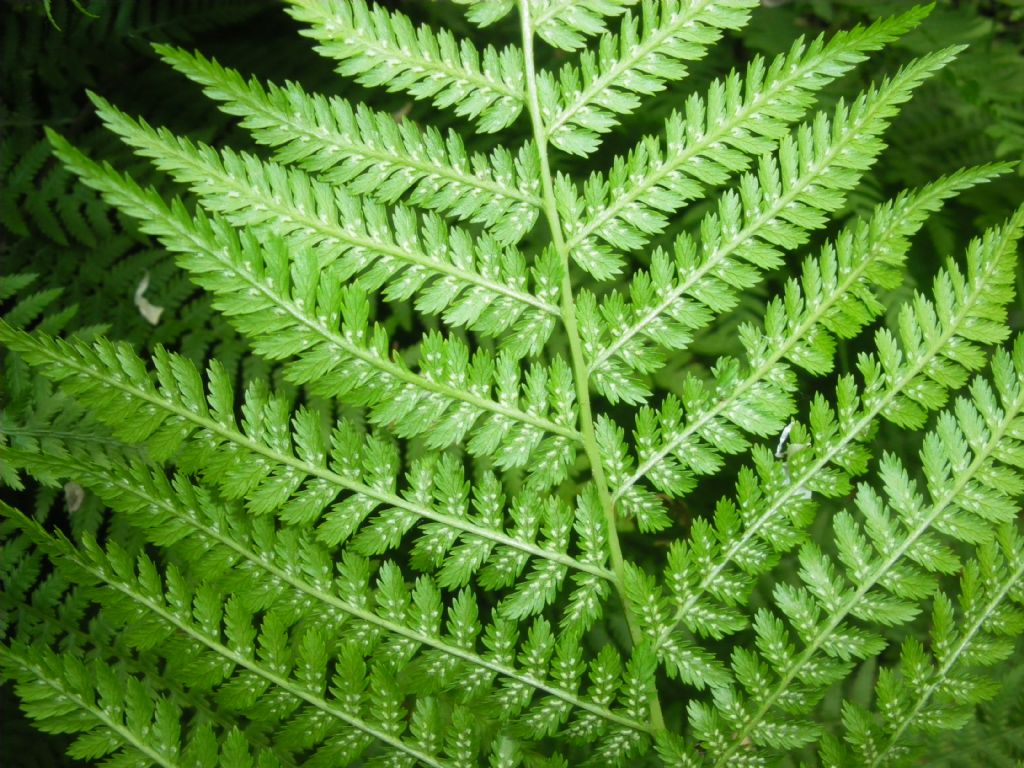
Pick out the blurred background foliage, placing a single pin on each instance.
(66, 258)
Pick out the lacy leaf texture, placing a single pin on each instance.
(491, 505)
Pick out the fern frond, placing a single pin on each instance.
(628, 340)
(714, 571)
(715, 418)
(222, 631)
(584, 100)
(790, 195)
(36, 200)
(792, 191)
(486, 12)
(371, 153)
(292, 308)
(566, 24)
(22, 194)
(36, 308)
(994, 738)
(761, 404)
(286, 465)
(718, 135)
(248, 554)
(410, 619)
(55, 614)
(478, 284)
(32, 415)
(117, 716)
(382, 48)
(938, 689)
(405, 521)
(885, 565)
(29, 404)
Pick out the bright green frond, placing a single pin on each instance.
(117, 716)
(429, 429)
(567, 24)
(714, 570)
(679, 294)
(584, 99)
(225, 638)
(816, 459)
(287, 463)
(888, 557)
(938, 687)
(938, 352)
(295, 310)
(486, 12)
(793, 190)
(373, 153)
(381, 48)
(717, 136)
(399, 622)
(475, 283)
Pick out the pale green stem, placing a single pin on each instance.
(581, 373)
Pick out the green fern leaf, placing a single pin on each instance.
(381, 48)
(886, 565)
(584, 99)
(566, 24)
(445, 399)
(717, 136)
(373, 154)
